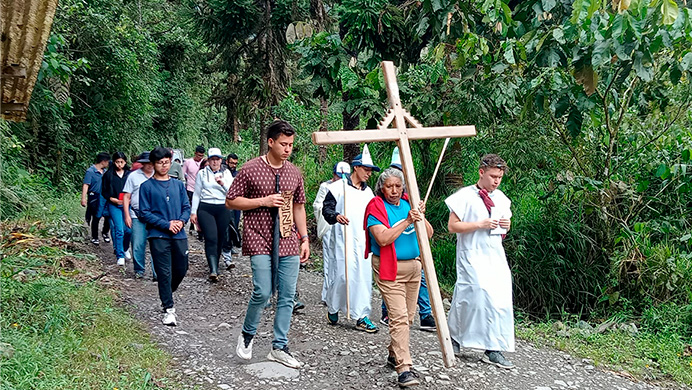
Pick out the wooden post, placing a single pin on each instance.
(421, 231)
(398, 116)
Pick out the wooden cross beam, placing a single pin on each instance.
(401, 133)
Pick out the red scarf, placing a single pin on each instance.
(488, 203)
(388, 265)
(486, 199)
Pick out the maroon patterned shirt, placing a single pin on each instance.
(257, 179)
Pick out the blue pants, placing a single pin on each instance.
(424, 308)
(119, 231)
(139, 247)
(286, 290)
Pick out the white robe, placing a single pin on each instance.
(323, 230)
(359, 267)
(481, 316)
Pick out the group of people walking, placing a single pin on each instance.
(367, 235)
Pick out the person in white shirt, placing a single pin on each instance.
(209, 208)
(130, 213)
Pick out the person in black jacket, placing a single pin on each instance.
(112, 189)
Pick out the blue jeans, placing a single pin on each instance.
(139, 246)
(424, 308)
(119, 231)
(286, 290)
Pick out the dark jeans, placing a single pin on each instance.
(189, 196)
(233, 232)
(213, 219)
(170, 263)
(93, 216)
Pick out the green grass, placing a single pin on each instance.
(646, 355)
(64, 330)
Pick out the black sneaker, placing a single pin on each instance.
(391, 362)
(106, 238)
(427, 324)
(298, 305)
(384, 320)
(95, 241)
(407, 379)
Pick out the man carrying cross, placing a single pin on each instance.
(350, 273)
(481, 316)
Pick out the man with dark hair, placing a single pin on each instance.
(269, 190)
(231, 163)
(482, 316)
(165, 209)
(131, 214)
(91, 197)
(190, 168)
(347, 245)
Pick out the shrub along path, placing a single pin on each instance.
(335, 357)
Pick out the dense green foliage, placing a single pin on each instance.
(588, 101)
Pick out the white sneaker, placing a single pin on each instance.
(284, 357)
(169, 318)
(241, 350)
(121, 261)
(228, 259)
(128, 255)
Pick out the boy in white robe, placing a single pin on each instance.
(481, 316)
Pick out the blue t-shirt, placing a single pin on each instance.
(93, 178)
(406, 244)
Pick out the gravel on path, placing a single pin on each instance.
(334, 357)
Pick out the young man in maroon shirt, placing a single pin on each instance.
(269, 190)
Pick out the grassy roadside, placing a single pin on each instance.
(59, 328)
(656, 356)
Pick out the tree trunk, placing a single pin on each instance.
(351, 121)
(324, 112)
(319, 15)
(231, 126)
(264, 148)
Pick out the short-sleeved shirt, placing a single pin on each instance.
(190, 169)
(134, 181)
(257, 179)
(406, 244)
(93, 178)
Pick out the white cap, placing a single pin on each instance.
(342, 167)
(214, 152)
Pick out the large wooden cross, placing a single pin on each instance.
(401, 133)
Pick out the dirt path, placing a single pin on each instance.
(334, 357)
